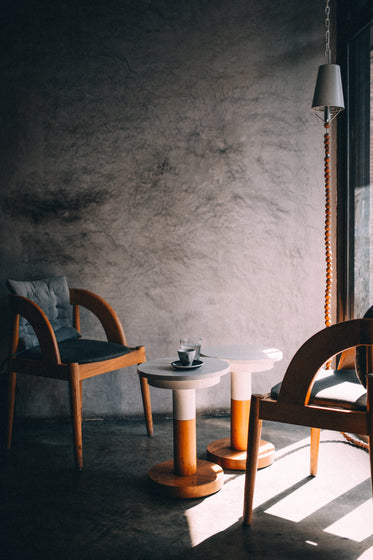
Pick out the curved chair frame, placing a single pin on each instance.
(294, 404)
(51, 366)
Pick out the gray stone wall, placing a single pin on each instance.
(163, 154)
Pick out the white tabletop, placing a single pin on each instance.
(160, 373)
(244, 359)
(243, 352)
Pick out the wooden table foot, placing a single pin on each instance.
(207, 480)
(221, 452)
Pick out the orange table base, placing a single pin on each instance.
(207, 480)
(221, 452)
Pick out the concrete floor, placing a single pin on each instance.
(108, 511)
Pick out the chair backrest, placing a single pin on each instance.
(52, 296)
(298, 380)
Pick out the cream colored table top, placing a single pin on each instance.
(160, 373)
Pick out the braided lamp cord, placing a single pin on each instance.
(328, 252)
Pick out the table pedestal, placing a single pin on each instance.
(207, 480)
(185, 476)
(230, 453)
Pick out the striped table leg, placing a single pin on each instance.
(185, 476)
(230, 453)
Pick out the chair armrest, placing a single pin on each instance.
(102, 310)
(28, 309)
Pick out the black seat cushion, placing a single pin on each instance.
(335, 386)
(81, 351)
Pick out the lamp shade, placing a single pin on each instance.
(328, 90)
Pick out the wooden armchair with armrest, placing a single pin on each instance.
(336, 401)
(61, 353)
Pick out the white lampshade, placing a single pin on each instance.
(328, 96)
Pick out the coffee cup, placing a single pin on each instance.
(186, 356)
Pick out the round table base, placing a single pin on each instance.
(221, 452)
(207, 480)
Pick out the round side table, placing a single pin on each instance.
(243, 360)
(185, 476)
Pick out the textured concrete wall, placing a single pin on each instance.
(164, 155)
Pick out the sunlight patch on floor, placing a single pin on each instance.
(341, 468)
(291, 466)
(356, 525)
(217, 512)
(331, 481)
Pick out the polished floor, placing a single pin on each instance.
(109, 512)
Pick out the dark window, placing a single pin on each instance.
(355, 154)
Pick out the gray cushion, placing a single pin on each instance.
(81, 351)
(341, 386)
(52, 295)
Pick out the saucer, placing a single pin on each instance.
(178, 365)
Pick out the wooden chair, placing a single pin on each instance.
(67, 356)
(334, 402)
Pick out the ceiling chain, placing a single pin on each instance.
(327, 32)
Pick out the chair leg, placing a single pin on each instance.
(11, 400)
(81, 397)
(253, 443)
(145, 392)
(76, 410)
(315, 444)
